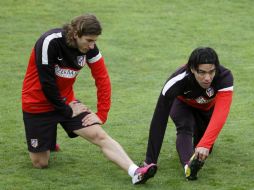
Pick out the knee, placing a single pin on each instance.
(94, 134)
(101, 137)
(40, 163)
(184, 132)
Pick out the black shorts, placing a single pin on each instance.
(41, 129)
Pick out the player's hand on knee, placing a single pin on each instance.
(91, 119)
(78, 108)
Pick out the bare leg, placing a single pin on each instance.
(40, 160)
(110, 148)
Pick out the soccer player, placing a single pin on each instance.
(48, 98)
(197, 97)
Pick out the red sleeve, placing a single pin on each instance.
(102, 82)
(221, 109)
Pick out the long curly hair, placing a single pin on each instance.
(86, 24)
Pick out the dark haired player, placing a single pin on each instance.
(197, 97)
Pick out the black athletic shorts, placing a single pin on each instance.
(41, 129)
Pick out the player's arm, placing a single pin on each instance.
(218, 119)
(172, 88)
(102, 82)
(45, 58)
(157, 128)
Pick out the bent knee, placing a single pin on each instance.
(40, 164)
(40, 160)
(183, 131)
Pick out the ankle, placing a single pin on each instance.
(132, 169)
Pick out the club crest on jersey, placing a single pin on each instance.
(210, 92)
(34, 143)
(81, 60)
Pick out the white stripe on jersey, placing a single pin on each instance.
(226, 89)
(94, 59)
(172, 81)
(46, 45)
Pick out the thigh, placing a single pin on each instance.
(72, 124)
(183, 117)
(204, 117)
(40, 131)
(94, 133)
(202, 120)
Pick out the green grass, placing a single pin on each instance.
(143, 42)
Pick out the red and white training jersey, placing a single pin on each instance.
(52, 70)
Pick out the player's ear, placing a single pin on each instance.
(75, 35)
(192, 70)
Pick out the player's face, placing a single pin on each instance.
(204, 74)
(85, 43)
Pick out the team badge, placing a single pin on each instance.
(81, 60)
(34, 143)
(210, 92)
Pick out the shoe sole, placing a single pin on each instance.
(149, 174)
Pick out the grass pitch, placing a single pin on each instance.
(143, 42)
